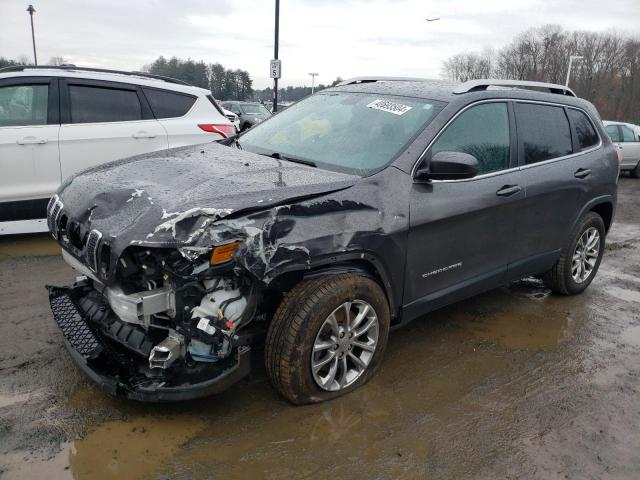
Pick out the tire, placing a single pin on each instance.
(301, 319)
(635, 173)
(560, 279)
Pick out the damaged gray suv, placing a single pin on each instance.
(313, 234)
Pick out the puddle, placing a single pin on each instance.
(136, 448)
(40, 245)
(519, 330)
(632, 336)
(624, 294)
(19, 466)
(7, 400)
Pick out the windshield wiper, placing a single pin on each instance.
(303, 161)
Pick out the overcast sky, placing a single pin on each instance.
(332, 37)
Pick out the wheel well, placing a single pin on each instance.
(605, 210)
(287, 280)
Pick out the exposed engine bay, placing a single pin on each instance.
(169, 319)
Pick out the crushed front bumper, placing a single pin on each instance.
(115, 373)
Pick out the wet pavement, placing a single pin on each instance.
(515, 383)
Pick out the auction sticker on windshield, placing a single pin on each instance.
(391, 107)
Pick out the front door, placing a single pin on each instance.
(461, 231)
(29, 159)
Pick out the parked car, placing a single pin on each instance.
(250, 114)
(627, 137)
(233, 118)
(312, 235)
(56, 121)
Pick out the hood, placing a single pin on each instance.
(157, 199)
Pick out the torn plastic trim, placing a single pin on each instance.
(158, 393)
(118, 384)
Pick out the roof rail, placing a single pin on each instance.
(351, 81)
(484, 84)
(21, 68)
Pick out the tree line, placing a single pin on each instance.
(608, 75)
(225, 84)
(291, 94)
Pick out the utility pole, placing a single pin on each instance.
(571, 59)
(31, 11)
(275, 56)
(313, 81)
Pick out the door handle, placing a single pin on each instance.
(32, 141)
(143, 134)
(508, 190)
(582, 173)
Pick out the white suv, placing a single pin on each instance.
(56, 121)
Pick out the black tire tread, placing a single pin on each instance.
(289, 319)
(556, 278)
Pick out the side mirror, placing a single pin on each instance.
(449, 166)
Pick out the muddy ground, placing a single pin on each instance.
(516, 383)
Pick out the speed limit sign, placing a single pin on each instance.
(275, 68)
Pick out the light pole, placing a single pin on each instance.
(313, 81)
(275, 56)
(31, 11)
(571, 59)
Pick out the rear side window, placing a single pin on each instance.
(543, 132)
(167, 104)
(99, 104)
(627, 134)
(22, 105)
(587, 136)
(481, 131)
(614, 134)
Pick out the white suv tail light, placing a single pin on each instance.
(221, 129)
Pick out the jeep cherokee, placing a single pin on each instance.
(313, 234)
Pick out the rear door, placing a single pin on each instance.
(181, 114)
(630, 146)
(461, 231)
(105, 121)
(557, 164)
(29, 162)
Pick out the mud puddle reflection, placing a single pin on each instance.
(35, 245)
(451, 383)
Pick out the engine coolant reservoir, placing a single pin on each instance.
(228, 299)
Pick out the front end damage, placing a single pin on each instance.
(184, 257)
(169, 329)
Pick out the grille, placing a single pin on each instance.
(54, 209)
(91, 249)
(73, 326)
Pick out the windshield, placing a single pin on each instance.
(256, 109)
(349, 132)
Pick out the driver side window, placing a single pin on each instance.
(481, 131)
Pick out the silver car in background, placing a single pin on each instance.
(626, 136)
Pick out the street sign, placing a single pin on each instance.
(275, 68)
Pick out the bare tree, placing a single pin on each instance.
(608, 75)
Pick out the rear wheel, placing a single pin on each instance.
(579, 261)
(635, 173)
(327, 337)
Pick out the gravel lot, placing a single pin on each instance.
(515, 383)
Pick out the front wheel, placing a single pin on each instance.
(635, 173)
(327, 337)
(579, 261)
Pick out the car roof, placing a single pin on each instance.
(135, 78)
(615, 122)
(463, 92)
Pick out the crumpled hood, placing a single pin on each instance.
(158, 199)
